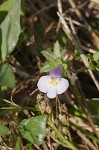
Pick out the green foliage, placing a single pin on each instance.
(62, 38)
(10, 30)
(5, 8)
(9, 34)
(3, 130)
(45, 68)
(53, 55)
(48, 55)
(57, 49)
(54, 59)
(30, 147)
(94, 61)
(96, 56)
(33, 129)
(17, 145)
(7, 77)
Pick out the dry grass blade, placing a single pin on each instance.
(95, 1)
(88, 49)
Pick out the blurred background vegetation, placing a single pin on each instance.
(31, 33)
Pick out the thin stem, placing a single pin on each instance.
(60, 136)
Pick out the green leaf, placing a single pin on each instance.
(10, 30)
(48, 55)
(30, 147)
(55, 63)
(58, 61)
(90, 57)
(64, 39)
(96, 56)
(6, 5)
(7, 77)
(4, 8)
(18, 145)
(97, 68)
(33, 129)
(62, 52)
(57, 49)
(65, 66)
(92, 66)
(52, 64)
(92, 63)
(3, 130)
(45, 68)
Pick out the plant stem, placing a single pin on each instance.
(60, 136)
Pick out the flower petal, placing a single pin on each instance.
(52, 92)
(56, 72)
(62, 85)
(43, 84)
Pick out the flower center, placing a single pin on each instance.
(52, 81)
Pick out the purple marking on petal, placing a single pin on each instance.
(57, 72)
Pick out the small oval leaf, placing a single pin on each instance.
(34, 129)
(3, 130)
(7, 77)
(10, 30)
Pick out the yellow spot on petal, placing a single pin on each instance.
(53, 82)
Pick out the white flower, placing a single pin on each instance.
(53, 84)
